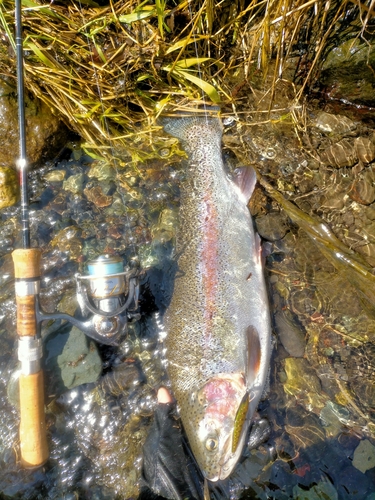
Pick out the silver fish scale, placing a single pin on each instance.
(219, 289)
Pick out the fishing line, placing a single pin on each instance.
(198, 63)
(107, 129)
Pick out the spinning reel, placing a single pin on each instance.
(108, 299)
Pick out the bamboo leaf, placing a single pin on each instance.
(137, 15)
(8, 31)
(30, 5)
(186, 63)
(186, 41)
(160, 5)
(205, 86)
(40, 55)
(145, 77)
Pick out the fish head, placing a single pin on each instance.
(216, 424)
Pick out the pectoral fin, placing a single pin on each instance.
(253, 355)
(245, 178)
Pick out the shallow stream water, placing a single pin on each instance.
(321, 399)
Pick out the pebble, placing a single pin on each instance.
(365, 148)
(272, 226)
(71, 360)
(74, 183)
(341, 154)
(96, 196)
(333, 124)
(292, 338)
(321, 491)
(303, 383)
(101, 171)
(333, 416)
(362, 192)
(364, 456)
(55, 176)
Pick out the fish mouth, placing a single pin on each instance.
(228, 462)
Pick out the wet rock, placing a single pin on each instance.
(347, 72)
(333, 124)
(370, 213)
(71, 360)
(365, 148)
(45, 132)
(101, 171)
(55, 176)
(354, 485)
(122, 377)
(58, 204)
(249, 469)
(320, 491)
(305, 431)
(333, 417)
(272, 226)
(362, 192)
(361, 369)
(67, 240)
(13, 392)
(9, 187)
(368, 250)
(96, 196)
(21, 483)
(74, 183)
(291, 336)
(165, 229)
(364, 456)
(303, 383)
(341, 154)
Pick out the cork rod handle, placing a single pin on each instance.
(27, 268)
(33, 440)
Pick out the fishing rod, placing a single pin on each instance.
(33, 440)
(107, 296)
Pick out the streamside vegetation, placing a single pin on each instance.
(108, 69)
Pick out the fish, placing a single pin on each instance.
(217, 324)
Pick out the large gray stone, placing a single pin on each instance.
(71, 359)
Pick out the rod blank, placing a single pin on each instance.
(22, 162)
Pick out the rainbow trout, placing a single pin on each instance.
(217, 324)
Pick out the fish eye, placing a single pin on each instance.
(212, 444)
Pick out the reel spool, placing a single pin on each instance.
(110, 294)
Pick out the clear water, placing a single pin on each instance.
(320, 401)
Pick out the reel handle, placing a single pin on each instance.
(33, 440)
